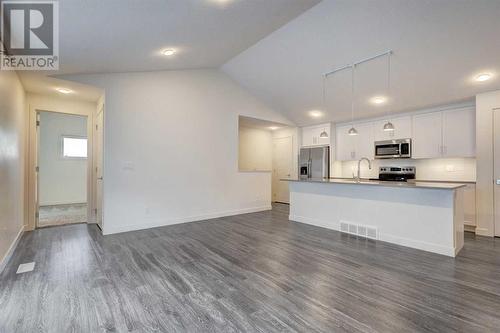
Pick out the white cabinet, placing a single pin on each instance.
(364, 142)
(427, 135)
(311, 135)
(344, 144)
(353, 147)
(307, 136)
(449, 133)
(459, 133)
(470, 205)
(402, 129)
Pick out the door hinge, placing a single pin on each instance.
(95, 211)
(37, 214)
(38, 123)
(96, 127)
(37, 169)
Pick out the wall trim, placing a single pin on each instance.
(10, 251)
(384, 237)
(195, 218)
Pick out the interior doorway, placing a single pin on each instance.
(62, 164)
(282, 168)
(98, 169)
(496, 168)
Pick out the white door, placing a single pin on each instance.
(99, 135)
(364, 142)
(496, 168)
(402, 129)
(37, 171)
(459, 133)
(282, 168)
(427, 135)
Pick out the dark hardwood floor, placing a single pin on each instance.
(255, 272)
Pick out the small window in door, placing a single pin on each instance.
(74, 147)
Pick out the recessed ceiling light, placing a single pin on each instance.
(315, 113)
(168, 52)
(483, 77)
(379, 99)
(64, 90)
(272, 128)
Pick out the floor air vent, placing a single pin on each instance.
(359, 230)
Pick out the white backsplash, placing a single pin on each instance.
(459, 169)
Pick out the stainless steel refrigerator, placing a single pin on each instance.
(314, 162)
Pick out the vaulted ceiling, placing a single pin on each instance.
(99, 36)
(439, 47)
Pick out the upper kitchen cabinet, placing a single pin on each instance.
(354, 147)
(344, 144)
(427, 135)
(402, 129)
(364, 142)
(459, 133)
(311, 135)
(450, 133)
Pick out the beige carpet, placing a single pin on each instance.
(62, 214)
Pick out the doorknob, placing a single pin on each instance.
(99, 178)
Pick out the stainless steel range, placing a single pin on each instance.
(396, 174)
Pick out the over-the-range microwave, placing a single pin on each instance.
(400, 148)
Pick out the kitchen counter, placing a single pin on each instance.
(410, 184)
(424, 215)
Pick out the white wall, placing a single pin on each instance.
(12, 157)
(171, 148)
(445, 169)
(255, 149)
(61, 180)
(485, 103)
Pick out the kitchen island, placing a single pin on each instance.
(423, 215)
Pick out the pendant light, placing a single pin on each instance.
(352, 130)
(388, 126)
(324, 134)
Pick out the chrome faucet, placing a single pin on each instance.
(359, 167)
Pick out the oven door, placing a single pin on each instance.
(387, 150)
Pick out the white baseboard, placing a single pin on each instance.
(61, 203)
(416, 244)
(484, 232)
(11, 249)
(133, 227)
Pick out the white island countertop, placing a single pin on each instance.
(411, 184)
(423, 215)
